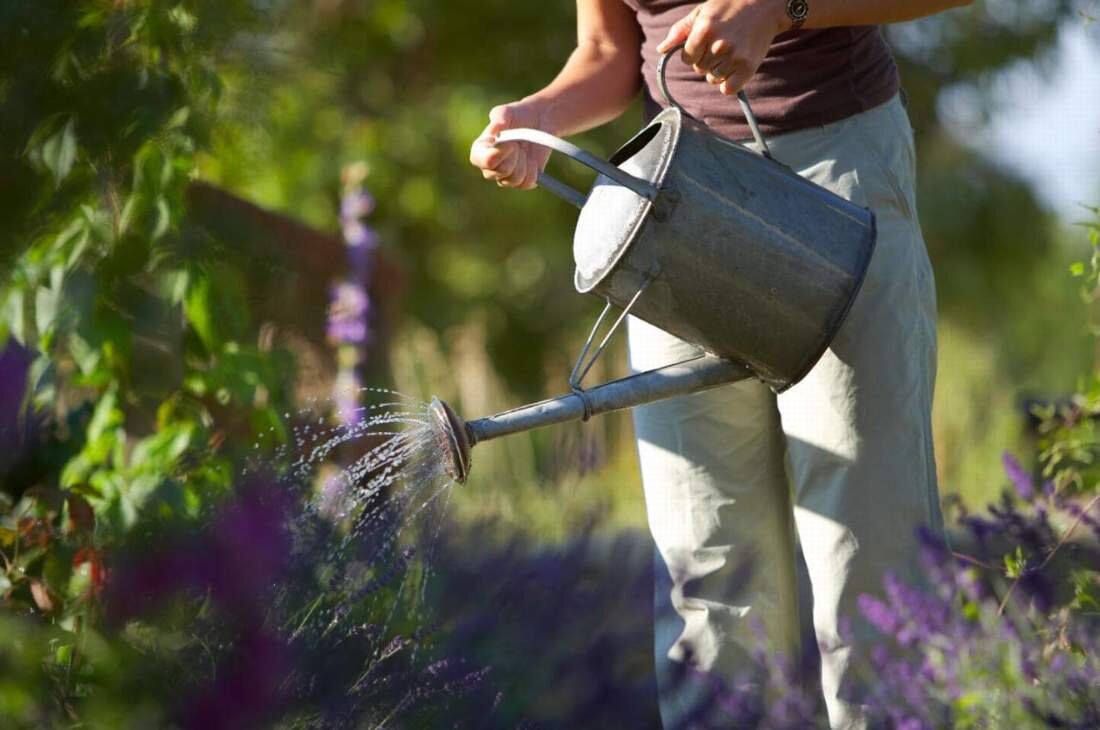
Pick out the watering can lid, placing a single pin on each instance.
(613, 215)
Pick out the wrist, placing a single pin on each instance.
(776, 13)
(542, 111)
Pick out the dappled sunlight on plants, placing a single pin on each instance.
(187, 541)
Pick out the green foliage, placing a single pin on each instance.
(148, 382)
(1069, 439)
(120, 297)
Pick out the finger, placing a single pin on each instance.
(500, 118)
(696, 47)
(718, 61)
(735, 81)
(531, 179)
(721, 70)
(480, 154)
(519, 172)
(500, 161)
(678, 33)
(490, 156)
(478, 148)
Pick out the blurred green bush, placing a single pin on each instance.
(136, 380)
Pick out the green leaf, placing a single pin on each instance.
(1015, 564)
(161, 451)
(164, 218)
(59, 151)
(41, 374)
(129, 210)
(47, 301)
(179, 117)
(86, 357)
(107, 415)
(75, 471)
(199, 313)
(13, 314)
(135, 495)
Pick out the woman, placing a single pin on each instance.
(841, 463)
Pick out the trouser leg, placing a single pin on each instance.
(858, 427)
(856, 432)
(718, 503)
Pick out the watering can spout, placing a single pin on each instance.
(457, 437)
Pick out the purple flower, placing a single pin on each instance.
(361, 258)
(357, 235)
(236, 559)
(14, 362)
(881, 616)
(247, 690)
(349, 313)
(356, 204)
(1021, 479)
(347, 321)
(348, 409)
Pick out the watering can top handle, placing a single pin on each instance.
(642, 187)
(545, 139)
(742, 97)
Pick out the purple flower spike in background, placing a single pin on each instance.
(350, 308)
(347, 321)
(879, 614)
(356, 203)
(357, 235)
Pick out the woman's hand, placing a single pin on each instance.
(511, 164)
(726, 40)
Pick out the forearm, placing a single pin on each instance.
(833, 13)
(597, 84)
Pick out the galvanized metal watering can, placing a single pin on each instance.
(705, 238)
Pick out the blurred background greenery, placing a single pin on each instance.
(269, 101)
(170, 182)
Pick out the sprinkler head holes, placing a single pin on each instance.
(453, 441)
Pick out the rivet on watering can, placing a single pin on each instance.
(665, 205)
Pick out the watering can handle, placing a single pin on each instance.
(741, 97)
(642, 187)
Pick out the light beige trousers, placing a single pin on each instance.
(841, 463)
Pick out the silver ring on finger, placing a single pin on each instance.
(718, 74)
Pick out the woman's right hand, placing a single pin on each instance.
(511, 164)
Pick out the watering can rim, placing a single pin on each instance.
(673, 117)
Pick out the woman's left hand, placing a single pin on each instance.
(726, 40)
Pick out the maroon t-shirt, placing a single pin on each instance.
(808, 78)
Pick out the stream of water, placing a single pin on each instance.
(310, 583)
